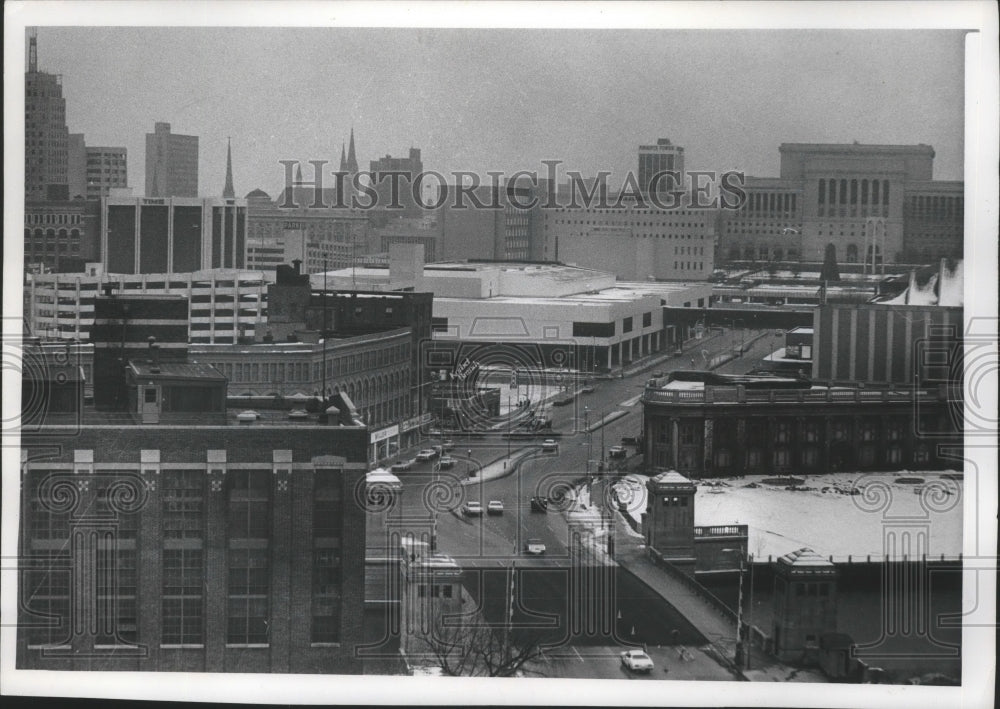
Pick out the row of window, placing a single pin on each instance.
(183, 564)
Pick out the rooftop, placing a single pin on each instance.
(175, 370)
(805, 557)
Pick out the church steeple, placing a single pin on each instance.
(228, 192)
(352, 160)
(343, 160)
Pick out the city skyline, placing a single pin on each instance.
(491, 99)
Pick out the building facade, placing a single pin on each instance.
(657, 159)
(634, 243)
(372, 369)
(888, 344)
(171, 163)
(46, 137)
(106, 169)
(61, 236)
(223, 304)
(407, 169)
(211, 549)
(724, 429)
(860, 198)
(499, 223)
(335, 237)
(175, 235)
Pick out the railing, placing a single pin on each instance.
(739, 395)
(729, 530)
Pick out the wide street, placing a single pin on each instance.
(435, 499)
(440, 495)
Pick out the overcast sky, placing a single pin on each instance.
(507, 99)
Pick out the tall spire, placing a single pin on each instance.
(228, 192)
(352, 160)
(343, 160)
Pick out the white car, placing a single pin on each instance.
(446, 462)
(534, 546)
(401, 466)
(427, 454)
(247, 416)
(618, 452)
(495, 507)
(637, 661)
(473, 508)
(549, 445)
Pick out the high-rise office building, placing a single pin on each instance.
(171, 163)
(46, 138)
(176, 235)
(384, 171)
(76, 164)
(107, 168)
(656, 159)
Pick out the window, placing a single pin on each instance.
(326, 591)
(248, 597)
(593, 329)
(627, 325)
(249, 493)
(183, 581)
(116, 586)
(647, 319)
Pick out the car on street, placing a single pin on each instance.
(539, 504)
(563, 401)
(446, 462)
(637, 661)
(448, 445)
(427, 454)
(473, 508)
(589, 389)
(247, 416)
(549, 445)
(618, 452)
(534, 546)
(401, 466)
(495, 507)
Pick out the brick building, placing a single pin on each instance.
(705, 424)
(208, 548)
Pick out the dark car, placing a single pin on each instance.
(539, 504)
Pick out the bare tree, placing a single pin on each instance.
(470, 647)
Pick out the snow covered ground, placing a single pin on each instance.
(823, 516)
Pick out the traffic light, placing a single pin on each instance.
(513, 379)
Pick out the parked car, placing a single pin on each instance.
(298, 414)
(448, 445)
(549, 445)
(563, 401)
(247, 416)
(637, 661)
(401, 466)
(534, 546)
(473, 508)
(618, 452)
(427, 454)
(589, 389)
(495, 507)
(446, 462)
(539, 504)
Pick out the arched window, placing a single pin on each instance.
(822, 191)
(843, 191)
(885, 192)
(852, 253)
(854, 191)
(864, 191)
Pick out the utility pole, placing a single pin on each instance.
(323, 393)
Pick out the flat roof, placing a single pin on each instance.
(176, 370)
